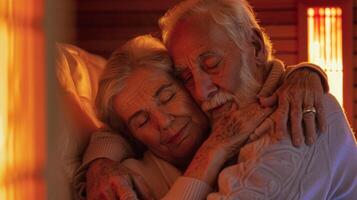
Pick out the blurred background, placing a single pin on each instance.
(43, 96)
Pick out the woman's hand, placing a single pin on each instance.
(229, 134)
(299, 104)
(109, 180)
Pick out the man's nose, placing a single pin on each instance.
(204, 86)
(164, 119)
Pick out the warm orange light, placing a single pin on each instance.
(22, 114)
(325, 45)
(3, 103)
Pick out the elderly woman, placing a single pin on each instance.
(139, 97)
(156, 110)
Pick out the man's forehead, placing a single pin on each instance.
(195, 33)
(188, 28)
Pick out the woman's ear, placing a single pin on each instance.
(259, 46)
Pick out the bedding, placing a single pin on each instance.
(77, 73)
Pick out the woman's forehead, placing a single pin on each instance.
(146, 80)
(140, 89)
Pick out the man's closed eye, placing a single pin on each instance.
(166, 95)
(211, 62)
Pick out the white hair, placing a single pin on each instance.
(142, 51)
(236, 17)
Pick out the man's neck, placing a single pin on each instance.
(261, 83)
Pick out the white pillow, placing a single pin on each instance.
(78, 73)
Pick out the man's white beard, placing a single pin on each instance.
(245, 93)
(249, 86)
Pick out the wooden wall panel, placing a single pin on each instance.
(289, 59)
(103, 25)
(124, 5)
(273, 5)
(281, 31)
(277, 17)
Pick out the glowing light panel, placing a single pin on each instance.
(325, 45)
(22, 104)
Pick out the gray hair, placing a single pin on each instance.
(235, 16)
(142, 51)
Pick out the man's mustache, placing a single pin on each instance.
(218, 99)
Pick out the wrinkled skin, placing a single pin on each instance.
(302, 89)
(210, 64)
(107, 179)
(229, 134)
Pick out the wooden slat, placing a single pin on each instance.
(277, 17)
(355, 46)
(92, 33)
(355, 14)
(127, 17)
(104, 54)
(100, 19)
(355, 93)
(355, 60)
(285, 46)
(118, 19)
(355, 80)
(355, 116)
(276, 4)
(124, 5)
(101, 46)
(281, 31)
(288, 59)
(149, 5)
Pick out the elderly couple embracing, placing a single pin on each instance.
(207, 112)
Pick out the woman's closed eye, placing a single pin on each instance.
(140, 120)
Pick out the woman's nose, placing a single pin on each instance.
(164, 119)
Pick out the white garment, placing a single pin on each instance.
(268, 169)
(158, 174)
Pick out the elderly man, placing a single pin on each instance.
(223, 58)
(214, 42)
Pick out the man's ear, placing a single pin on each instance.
(259, 46)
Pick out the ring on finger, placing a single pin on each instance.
(310, 109)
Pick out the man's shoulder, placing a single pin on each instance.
(332, 107)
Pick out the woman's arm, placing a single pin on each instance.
(104, 145)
